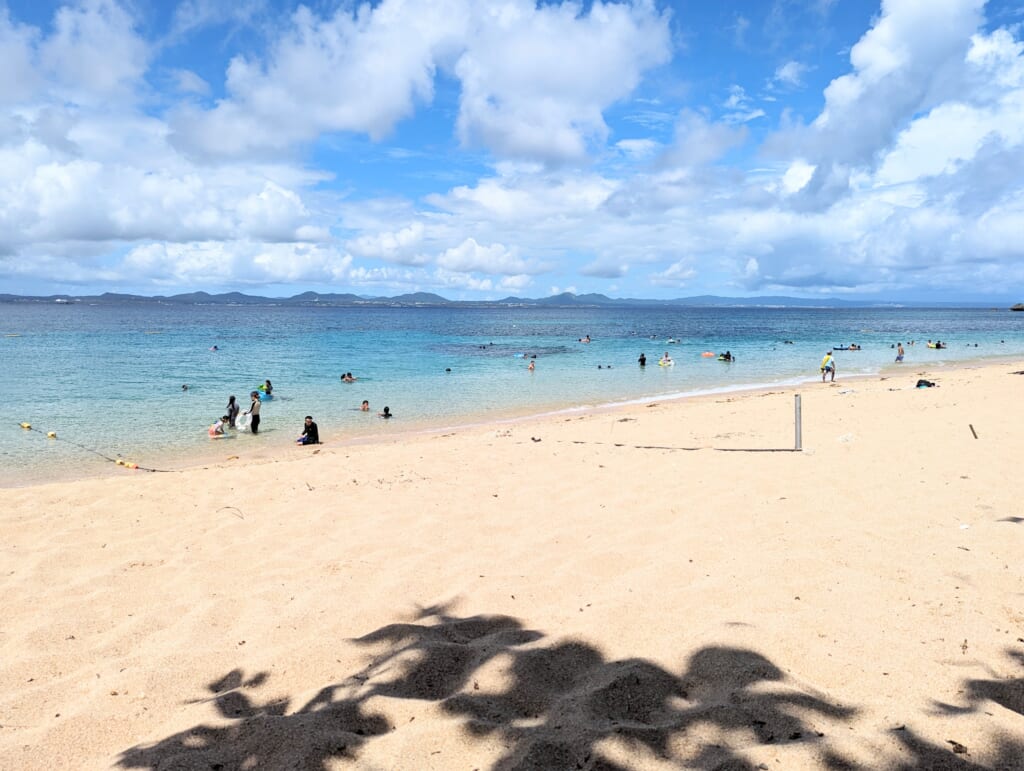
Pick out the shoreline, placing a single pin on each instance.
(183, 460)
(177, 461)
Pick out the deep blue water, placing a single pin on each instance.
(110, 377)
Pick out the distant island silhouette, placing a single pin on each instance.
(428, 299)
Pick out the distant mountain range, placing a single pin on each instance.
(426, 299)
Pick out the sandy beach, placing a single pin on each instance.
(659, 586)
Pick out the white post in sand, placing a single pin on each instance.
(799, 427)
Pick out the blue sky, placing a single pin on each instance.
(483, 149)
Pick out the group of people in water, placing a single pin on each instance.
(828, 364)
(233, 409)
(666, 360)
(310, 431)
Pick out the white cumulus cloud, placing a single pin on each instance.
(535, 79)
(469, 256)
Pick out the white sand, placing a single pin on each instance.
(620, 594)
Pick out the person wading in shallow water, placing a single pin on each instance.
(254, 412)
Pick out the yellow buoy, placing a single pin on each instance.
(26, 425)
(120, 462)
(51, 434)
(131, 465)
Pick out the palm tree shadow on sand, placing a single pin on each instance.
(561, 705)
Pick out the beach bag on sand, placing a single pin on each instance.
(925, 384)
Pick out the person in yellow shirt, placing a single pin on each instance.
(828, 366)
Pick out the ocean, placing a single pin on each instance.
(107, 379)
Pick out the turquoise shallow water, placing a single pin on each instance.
(109, 377)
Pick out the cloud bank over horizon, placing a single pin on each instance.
(480, 149)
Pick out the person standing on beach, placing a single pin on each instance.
(828, 366)
(232, 411)
(254, 412)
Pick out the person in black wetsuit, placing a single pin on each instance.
(642, 360)
(254, 412)
(310, 432)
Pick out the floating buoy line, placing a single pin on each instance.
(118, 461)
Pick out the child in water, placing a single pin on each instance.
(217, 429)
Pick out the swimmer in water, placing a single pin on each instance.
(365, 406)
(386, 414)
